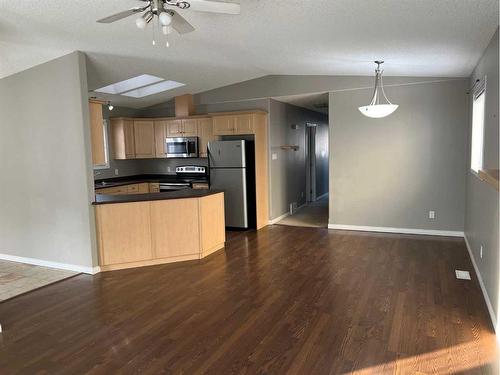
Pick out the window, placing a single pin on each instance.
(477, 137)
(106, 148)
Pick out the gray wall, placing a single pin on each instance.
(288, 172)
(46, 165)
(481, 215)
(390, 172)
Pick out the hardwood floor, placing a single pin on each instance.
(283, 300)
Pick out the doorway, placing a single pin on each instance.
(305, 124)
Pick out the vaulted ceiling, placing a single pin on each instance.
(321, 37)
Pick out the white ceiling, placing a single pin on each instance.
(320, 37)
(314, 102)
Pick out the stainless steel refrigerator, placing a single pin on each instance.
(232, 170)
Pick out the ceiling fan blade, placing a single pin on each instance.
(119, 16)
(214, 6)
(180, 24)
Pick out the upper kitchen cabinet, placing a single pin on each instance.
(190, 128)
(122, 138)
(160, 135)
(182, 128)
(144, 139)
(239, 124)
(205, 135)
(97, 135)
(174, 128)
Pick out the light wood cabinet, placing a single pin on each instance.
(97, 138)
(190, 128)
(174, 128)
(122, 138)
(155, 232)
(154, 187)
(234, 124)
(182, 238)
(182, 128)
(244, 124)
(160, 135)
(144, 139)
(205, 135)
(223, 125)
(123, 230)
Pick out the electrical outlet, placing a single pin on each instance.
(432, 215)
(481, 252)
(302, 194)
(169, 169)
(274, 156)
(117, 172)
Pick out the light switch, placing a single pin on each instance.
(274, 156)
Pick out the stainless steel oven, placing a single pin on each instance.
(185, 147)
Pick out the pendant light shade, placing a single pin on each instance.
(377, 109)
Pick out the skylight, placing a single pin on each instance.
(130, 84)
(153, 89)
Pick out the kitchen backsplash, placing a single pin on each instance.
(146, 166)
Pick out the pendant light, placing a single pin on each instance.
(376, 109)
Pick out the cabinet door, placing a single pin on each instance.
(160, 135)
(205, 135)
(154, 187)
(116, 190)
(97, 134)
(124, 232)
(172, 228)
(144, 135)
(174, 128)
(128, 128)
(224, 125)
(189, 128)
(244, 124)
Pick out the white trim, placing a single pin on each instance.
(481, 283)
(279, 218)
(46, 263)
(428, 232)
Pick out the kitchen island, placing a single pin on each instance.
(146, 229)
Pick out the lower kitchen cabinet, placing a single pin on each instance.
(160, 231)
(182, 237)
(124, 233)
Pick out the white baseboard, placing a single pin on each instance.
(279, 218)
(481, 283)
(428, 232)
(46, 263)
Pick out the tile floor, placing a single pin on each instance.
(18, 278)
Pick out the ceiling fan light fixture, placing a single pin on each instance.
(376, 109)
(143, 20)
(165, 19)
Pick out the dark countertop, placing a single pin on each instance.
(179, 194)
(137, 179)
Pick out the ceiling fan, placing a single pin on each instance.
(168, 17)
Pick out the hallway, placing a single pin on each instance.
(313, 215)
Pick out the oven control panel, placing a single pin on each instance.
(190, 169)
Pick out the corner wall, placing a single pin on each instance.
(45, 163)
(481, 211)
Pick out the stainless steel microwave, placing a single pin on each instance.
(185, 147)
